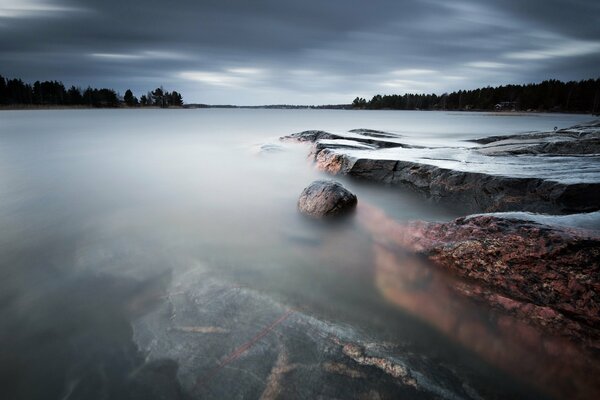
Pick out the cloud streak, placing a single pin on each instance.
(269, 51)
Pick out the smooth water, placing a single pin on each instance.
(95, 203)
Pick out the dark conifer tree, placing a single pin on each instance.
(3, 91)
(130, 99)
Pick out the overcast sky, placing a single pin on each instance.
(301, 52)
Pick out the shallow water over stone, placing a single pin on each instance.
(160, 251)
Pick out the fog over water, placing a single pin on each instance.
(98, 208)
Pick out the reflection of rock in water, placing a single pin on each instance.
(553, 363)
(264, 350)
(74, 341)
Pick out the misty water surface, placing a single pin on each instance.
(100, 207)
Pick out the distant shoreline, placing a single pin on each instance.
(75, 107)
(271, 107)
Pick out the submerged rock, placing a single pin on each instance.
(546, 275)
(538, 284)
(325, 198)
(270, 351)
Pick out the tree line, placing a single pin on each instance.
(549, 95)
(54, 93)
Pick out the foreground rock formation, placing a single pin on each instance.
(541, 282)
(495, 180)
(228, 339)
(547, 275)
(232, 342)
(325, 198)
(491, 283)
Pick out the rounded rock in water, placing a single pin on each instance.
(326, 198)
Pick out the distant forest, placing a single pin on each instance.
(15, 92)
(551, 95)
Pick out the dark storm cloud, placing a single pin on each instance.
(240, 51)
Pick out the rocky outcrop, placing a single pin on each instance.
(377, 139)
(547, 275)
(273, 352)
(581, 139)
(365, 154)
(325, 198)
(557, 148)
(474, 192)
(311, 136)
(374, 133)
(493, 284)
(584, 131)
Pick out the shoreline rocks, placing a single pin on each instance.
(583, 139)
(326, 198)
(546, 275)
(539, 283)
(473, 190)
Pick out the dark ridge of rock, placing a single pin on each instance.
(563, 147)
(492, 139)
(546, 275)
(374, 133)
(582, 131)
(315, 136)
(381, 144)
(584, 146)
(311, 136)
(475, 192)
(525, 136)
(325, 198)
(342, 145)
(586, 125)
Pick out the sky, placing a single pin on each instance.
(255, 52)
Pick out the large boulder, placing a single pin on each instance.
(325, 198)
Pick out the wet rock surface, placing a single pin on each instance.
(586, 131)
(566, 180)
(240, 343)
(377, 139)
(474, 192)
(548, 275)
(326, 198)
(579, 139)
(538, 283)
